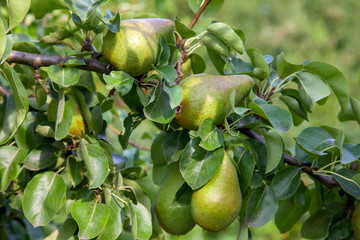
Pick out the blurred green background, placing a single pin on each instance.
(325, 30)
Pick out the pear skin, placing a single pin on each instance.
(135, 48)
(208, 96)
(355, 221)
(174, 215)
(78, 121)
(217, 204)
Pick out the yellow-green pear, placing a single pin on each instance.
(208, 96)
(355, 221)
(78, 123)
(173, 207)
(217, 204)
(135, 48)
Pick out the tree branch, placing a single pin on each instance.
(40, 60)
(198, 13)
(327, 181)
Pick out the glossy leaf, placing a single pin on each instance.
(237, 66)
(113, 226)
(41, 157)
(183, 30)
(246, 166)
(227, 35)
(197, 165)
(64, 76)
(173, 145)
(312, 87)
(19, 93)
(317, 225)
(344, 177)
(294, 105)
(10, 157)
(175, 94)
(158, 109)
(43, 197)
(39, 7)
(258, 60)
(350, 153)
(274, 149)
(312, 140)
(74, 169)
(2, 38)
(262, 206)
(64, 232)
(211, 137)
(130, 123)
(164, 54)
(64, 116)
(91, 217)
(215, 44)
(286, 182)
(17, 11)
(7, 118)
(141, 222)
(279, 118)
(96, 163)
(332, 76)
(119, 80)
(284, 68)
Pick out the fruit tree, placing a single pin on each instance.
(77, 83)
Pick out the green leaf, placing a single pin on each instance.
(211, 9)
(258, 60)
(286, 182)
(350, 153)
(57, 37)
(17, 11)
(227, 35)
(312, 140)
(20, 96)
(345, 178)
(246, 166)
(64, 116)
(158, 109)
(130, 123)
(175, 94)
(198, 64)
(259, 152)
(312, 88)
(279, 118)
(91, 217)
(168, 73)
(8, 48)
(10, 157)
(211, 137)
(113, 26)
(40, 7)
(289, 213)
(215, 44)
(164, 54)
(293, 102)
(237, 66)
(284, 68)
(141, 227)
(41, 157)
(342, 229)
(184, 31)
(332, 76)
(64, 76)
(317, 225)
(274, 149)
(157, 154)
(355, 105)
(217, 60)
(95, 162)
(64, 232)
(3, 38)
(197, 165)
(41, 95)
(113, 226)
(262, 206)
(173, 145)
(43, 197)
(119, 80)
(74, 169)
(7, 118)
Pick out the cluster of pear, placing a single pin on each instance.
(134, 49)
(213, 207)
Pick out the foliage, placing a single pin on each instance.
(101, 184)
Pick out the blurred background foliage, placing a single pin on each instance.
(325, 30)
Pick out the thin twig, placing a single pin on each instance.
(134, 144)
(198, 13)
(327, 181)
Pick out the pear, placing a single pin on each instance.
(355, 221)
(217, 204)
(78, 123)
(208, 96)
(135, 48)
(172, 206)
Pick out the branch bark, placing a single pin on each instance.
(327, 181)
(40, 60)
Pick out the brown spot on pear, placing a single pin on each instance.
(135, 48)
(208, 96)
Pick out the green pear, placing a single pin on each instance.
(217, 204)
(78, 122)
(355, 221)
(208, 96)
(135, 48)
(172, 206)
